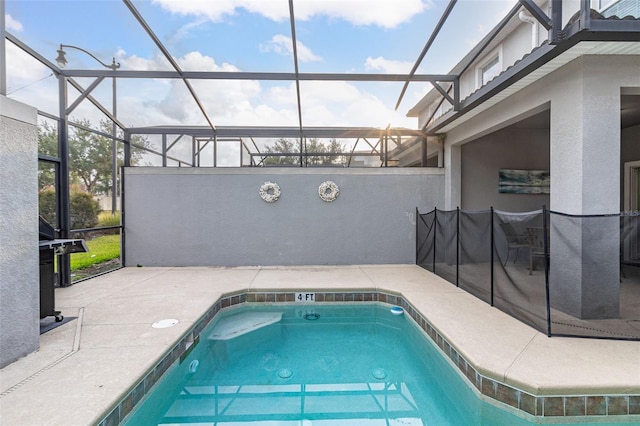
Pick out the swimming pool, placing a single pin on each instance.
(318, 364)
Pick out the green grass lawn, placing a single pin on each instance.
(101, 249)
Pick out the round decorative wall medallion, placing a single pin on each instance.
(270, 192)
(328, 191)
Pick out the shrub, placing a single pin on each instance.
(109, 219)
(47, 204)
(84, 208)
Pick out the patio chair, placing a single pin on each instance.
(535, 238)
(514, 241)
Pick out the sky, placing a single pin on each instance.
(335, 36)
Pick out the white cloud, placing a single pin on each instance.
(29, 81)
(215, 11)
(249, 102)
(148, 102)
(338, 103)
(283, 45)
(153, 102)
(21, 67)
(387, 65)
(184, 31)
(12, 24)
(382, 13)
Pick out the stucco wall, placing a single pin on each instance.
(518, 149)
(525, 149)
(215, 217)
(591, 82)
(19, 270)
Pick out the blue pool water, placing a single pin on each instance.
(320, 365)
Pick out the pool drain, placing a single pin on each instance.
(285, 373)
(311, 316)
(379, 374)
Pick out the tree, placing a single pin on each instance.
(282, 146)
(47, 145)
(314, 147)
(90, 158)
(90, 155)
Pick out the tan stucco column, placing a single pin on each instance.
(452, 176)
(585, 180)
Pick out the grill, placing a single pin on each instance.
(50, 247)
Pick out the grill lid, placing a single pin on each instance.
(46, 231)
(48, 241)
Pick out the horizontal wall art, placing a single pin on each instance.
(512, 181)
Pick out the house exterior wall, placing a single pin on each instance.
(509, 49)
(511, 148)
(583, 98)
(215, 217)
(19, 270)
(518, 43)
(566, 93)
(512, 45)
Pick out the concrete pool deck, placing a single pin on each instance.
(86, 366)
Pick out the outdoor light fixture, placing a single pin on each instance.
(61, 59)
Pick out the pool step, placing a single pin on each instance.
(239, 324)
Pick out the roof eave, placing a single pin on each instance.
(607, 31)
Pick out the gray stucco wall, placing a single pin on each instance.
(511, 148)
(215, 217)
(19, 270)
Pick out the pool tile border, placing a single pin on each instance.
(539, 406)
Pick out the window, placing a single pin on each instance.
(488, 67)
(490, 70)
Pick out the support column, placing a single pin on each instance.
(585, 180)
(19, 283)
(452, 176)
(63, 190)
